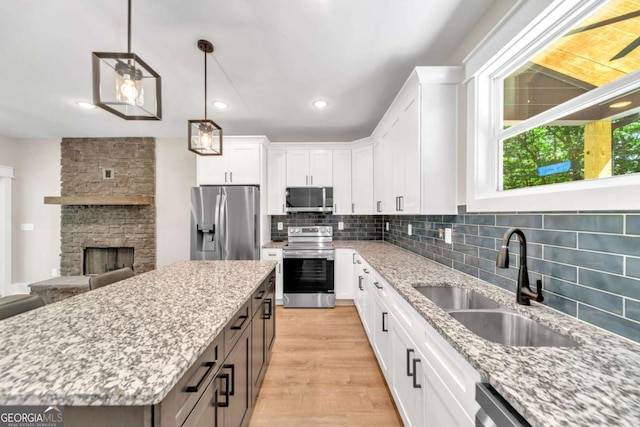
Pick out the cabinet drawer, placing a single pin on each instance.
(236, 326)
(258, 298)
(175, 408)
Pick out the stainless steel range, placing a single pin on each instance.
(308, 268)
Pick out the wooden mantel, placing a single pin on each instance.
(96, 200)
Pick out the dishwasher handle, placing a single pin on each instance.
(494, 410)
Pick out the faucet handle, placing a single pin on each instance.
(539, 296)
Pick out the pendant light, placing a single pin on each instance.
(205, 136)
(123, 84)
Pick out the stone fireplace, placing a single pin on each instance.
(108, 213)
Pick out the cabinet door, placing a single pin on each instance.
(406, 374)
(207, 412)
(258, 355)
(269, 321)
(410, 137)
(381, 333)
(212, 170)
(238, 368)
(342, 182)
(243, 163)
(344, 273)
(394, 139)
(275, 255)
(321, 168)
(362, 180)
(381, 203)
(276, 181)
(440, 406)
(297, 168)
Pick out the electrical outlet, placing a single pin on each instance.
(340, 225)
(386, 226)
(280, 225)
(409, 230)
(440, 233)
(26, 227)
(54, 272)
(447, 235)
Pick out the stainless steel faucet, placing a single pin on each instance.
(524, 294)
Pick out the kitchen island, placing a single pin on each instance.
(127, 344)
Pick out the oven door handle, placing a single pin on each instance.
(306, 254)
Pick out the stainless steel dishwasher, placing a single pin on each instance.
(494, 410)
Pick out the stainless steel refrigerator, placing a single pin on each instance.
(225, 222)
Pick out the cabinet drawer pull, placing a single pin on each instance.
(360, 283)
(365, 270)
(244, 318)
(225, 177)
(409, 351)
(260, 295)
(377, 285)
(268, 314)
(225, 377)
(230, 176)
(384, 326)
(233, 378)
(196, 388)
(272, 254)
(415, 375)
(354, 257)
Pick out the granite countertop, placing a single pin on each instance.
(275, 245)
(597, 383)
(127, 343)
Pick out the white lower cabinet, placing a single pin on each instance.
(431, 383)
(275, 254)
(343, 277)
(405, 372)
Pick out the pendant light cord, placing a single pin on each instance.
(205, 85)
(129, 29)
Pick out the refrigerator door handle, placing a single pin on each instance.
(223, 238)
(216, 224)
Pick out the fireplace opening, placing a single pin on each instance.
(101, 260)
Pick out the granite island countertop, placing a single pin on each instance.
(124, 344)
(597, 383)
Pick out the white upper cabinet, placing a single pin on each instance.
(341, 182)
(309, 168)
(276, 181)
(420, 132)
(238, 165)
(381, 176)
(362, 179)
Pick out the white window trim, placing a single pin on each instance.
(551, 20)
(6, 177)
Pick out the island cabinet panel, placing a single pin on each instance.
(176, 407)
(238, 367)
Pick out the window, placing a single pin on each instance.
(599, 141)
(564, 97)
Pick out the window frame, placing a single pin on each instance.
(484, 131)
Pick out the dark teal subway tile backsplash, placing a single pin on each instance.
(589, 262)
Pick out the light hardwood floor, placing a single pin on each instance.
(323, 373)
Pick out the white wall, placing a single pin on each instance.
(36, 253)
(175, 175)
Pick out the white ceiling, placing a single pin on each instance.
(279, 56)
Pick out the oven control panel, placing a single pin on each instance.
(319, 231)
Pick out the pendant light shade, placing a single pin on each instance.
(205, 136)
(123, 84)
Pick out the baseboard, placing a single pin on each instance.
(344, 302)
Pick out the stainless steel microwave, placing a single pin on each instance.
(309, 199)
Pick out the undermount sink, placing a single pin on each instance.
(450, 298)
(510, 329)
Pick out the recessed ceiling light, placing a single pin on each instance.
(220, 104)
(620, 104)
(85, 105)
(320, 104)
